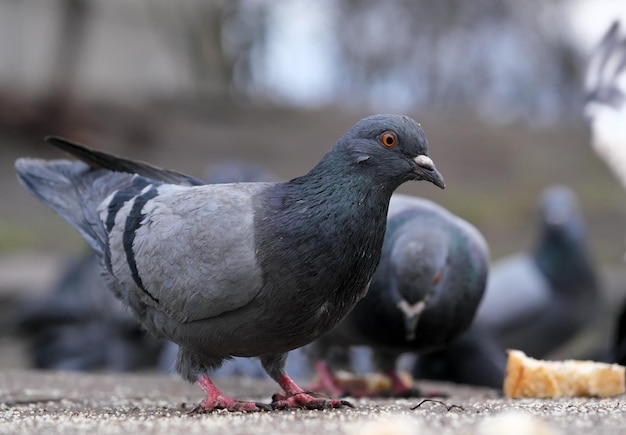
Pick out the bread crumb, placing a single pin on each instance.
(528, 377)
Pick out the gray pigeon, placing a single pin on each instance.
(245, 269)
(605, 110)
(425, 291)
(534, 301)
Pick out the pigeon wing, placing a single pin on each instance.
(188, 251)
(183, 247)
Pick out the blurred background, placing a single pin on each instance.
(496, 84)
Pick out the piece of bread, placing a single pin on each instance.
(528, 377)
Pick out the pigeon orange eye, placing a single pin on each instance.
(389, 139)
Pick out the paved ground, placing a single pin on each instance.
(51, 403)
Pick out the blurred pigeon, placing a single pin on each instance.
(554, 292)
(534, 302)
(605, 104)
(81, 326)
(605, 110)
(245, 269)
(425, 291)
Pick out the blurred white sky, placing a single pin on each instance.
(305, 75)
(590, 19)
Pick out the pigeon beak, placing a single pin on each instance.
(426, 170)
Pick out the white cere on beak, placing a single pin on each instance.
(425, 162)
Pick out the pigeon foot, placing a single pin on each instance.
(296, 397)
(217, 400)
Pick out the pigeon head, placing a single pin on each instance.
(393, 148)
(561, 216)
(561, 253)
(418, 258)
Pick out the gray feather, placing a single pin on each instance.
(171, 250)
(73, 191)
(97, 159)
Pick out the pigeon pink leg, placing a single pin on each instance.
(296, 397)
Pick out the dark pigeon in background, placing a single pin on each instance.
(425, 292)
(81, 326)
(534, 302)
(605, 110)
(246, 269)
(554, 292)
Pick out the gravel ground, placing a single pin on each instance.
(64, 403)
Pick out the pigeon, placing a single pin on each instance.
(424, 293)
(244, 269)
(605, 111)
(556, 287)
(605, 101)
(80, 326)
(534, 301)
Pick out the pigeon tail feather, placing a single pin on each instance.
(99, 159)
(73, 190)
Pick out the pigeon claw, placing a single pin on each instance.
(306, 401)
